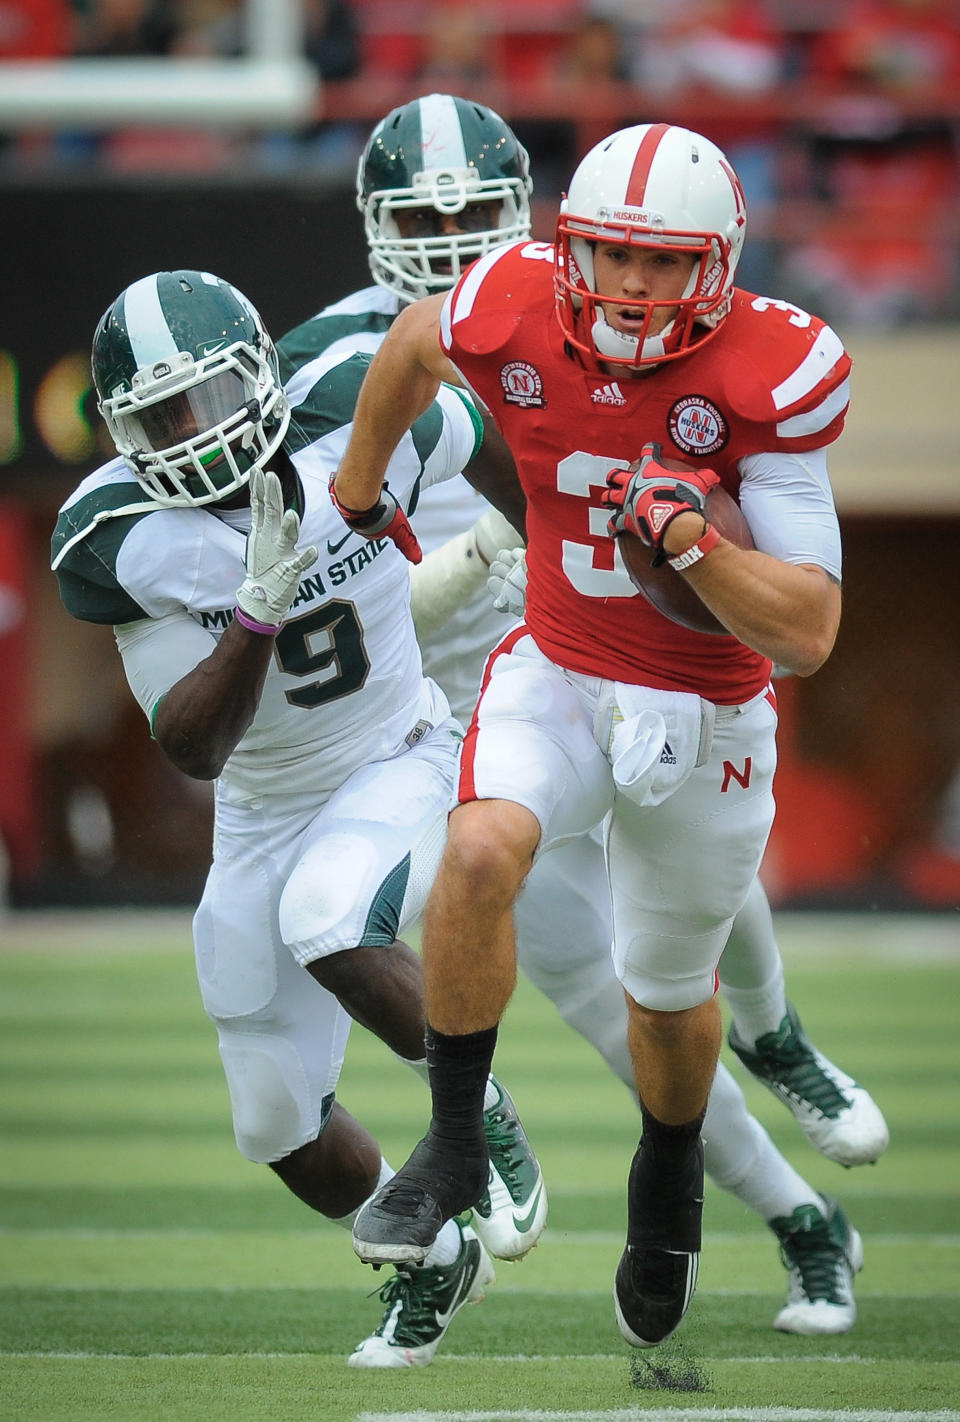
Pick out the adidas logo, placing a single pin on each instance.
(608, 395)
(667, 756)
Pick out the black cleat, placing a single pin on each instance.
(399, 1224)
(657, 1273)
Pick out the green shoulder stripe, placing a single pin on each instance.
(476, 420)
(425, 433)
(329, 405)
(84, 547)
(310, 339)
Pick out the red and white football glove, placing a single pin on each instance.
(386, 519)
(647, 497)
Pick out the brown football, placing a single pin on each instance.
(667, 590)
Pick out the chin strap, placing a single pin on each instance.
(620, 345)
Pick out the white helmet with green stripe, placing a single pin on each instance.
(440, 157)
(188, 384)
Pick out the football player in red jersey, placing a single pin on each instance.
(627, 337)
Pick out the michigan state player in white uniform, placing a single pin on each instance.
(273, 651)
(442, 181)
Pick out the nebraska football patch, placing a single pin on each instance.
(522, 384)
(697, 426)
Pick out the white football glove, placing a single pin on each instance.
(507, 583)
(274, 564)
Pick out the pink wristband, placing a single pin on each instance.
(708, 539)
(251, 626)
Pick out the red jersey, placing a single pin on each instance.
(772, 378)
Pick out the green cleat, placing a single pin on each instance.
(822, 1252)
(835, 1113)
(511, 1213)
(420, 1306)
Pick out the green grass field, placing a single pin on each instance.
(148, 1272)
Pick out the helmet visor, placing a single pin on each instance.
(179, 418)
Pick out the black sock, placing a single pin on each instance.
(458, 1068)
(665, 1186)
(670, 1145)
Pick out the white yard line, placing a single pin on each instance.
(666, 1414)
(590, 1238)
(878, 937)
(73, 931)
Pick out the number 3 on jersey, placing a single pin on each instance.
(580, 474)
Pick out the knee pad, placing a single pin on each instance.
(359, 889)
(274, 1109)
(662, 994)
(335, 899)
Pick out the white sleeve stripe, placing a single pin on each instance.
(817, 419)
(305, 377)
(98, 518)
(816, 364)
(445, 322)
(466, 294)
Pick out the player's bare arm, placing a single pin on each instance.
(403, 379)
(493, 473)
(205, 715)
(789, 612)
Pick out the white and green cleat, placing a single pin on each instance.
(512, 1212)
(836, 1114)
(420, 1306)
(822, 1252)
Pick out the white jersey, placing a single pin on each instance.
(455, 653)
(346, 685)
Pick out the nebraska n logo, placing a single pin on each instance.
(742, 777)
(522, 385)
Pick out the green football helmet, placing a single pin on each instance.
(440, 155)
(188, 384)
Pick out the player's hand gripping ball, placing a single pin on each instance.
(647, 496)
(661, 585)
